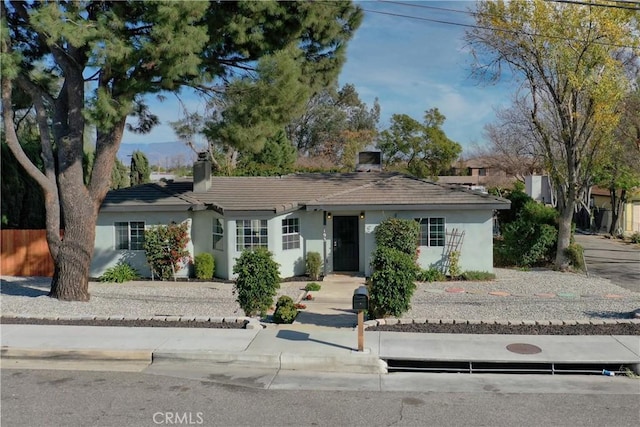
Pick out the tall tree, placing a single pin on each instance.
(567, 57)
(620, 171)
(106, 56)
(422, 148)
(139, 171)
(333, 123)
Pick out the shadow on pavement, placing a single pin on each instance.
(342, 319)
(302, 336)
(22, 289)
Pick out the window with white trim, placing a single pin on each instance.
(290, 233)
(218, 234)
(432, 231)
(129, 235)
(251, 233)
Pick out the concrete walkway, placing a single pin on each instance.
(331, 305)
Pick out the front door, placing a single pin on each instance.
(345, 243)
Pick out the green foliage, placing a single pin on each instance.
(431, 274)
(286, 310)
(119, 176)
(392, 282)
(139, 171)
(313, 264)
(166, 248)
(257, 282)
(312, 287)
(518, 199)
(635, 237)
(204, 265)
(423, 148)
(22, 201)
(119, 273)
(530, 239)
(276, 158)
(335, 125)
(575, 254)
(478, 276)
(454, 265)
(400, 234)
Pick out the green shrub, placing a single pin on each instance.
(432, 274)
(119, 273)
(312, 287)
(286, 310)
(531, 239)
(392, 282)
(400, 234)
(478, 276)
(204, 265)
(575, 254)
(257, 282)
(454, 265)
(635, 237)
(166, 248)
(313, 265)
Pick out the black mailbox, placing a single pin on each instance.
(361, 298)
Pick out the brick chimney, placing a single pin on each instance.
(202, 173)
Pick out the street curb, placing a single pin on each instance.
(404, 321)
(77, 355)
(351, 363)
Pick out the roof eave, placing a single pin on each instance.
(408, 207)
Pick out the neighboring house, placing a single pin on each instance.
(476, 173)
(332, 214)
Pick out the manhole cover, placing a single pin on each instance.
(521, 348)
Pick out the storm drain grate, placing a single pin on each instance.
(395, 365)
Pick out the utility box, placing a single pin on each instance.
(360, 299)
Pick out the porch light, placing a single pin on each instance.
(361, 215)
(328, 215)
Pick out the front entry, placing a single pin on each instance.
(345, 244)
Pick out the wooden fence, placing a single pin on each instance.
(25, 253)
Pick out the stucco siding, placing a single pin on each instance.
(105, 255)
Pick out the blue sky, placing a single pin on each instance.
(410, 65)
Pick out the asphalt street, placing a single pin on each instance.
(612, 259)
(74, 399)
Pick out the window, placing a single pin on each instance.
(482, 172)
(130, 235)
(290, 233)
(431, 231)
(218, 234)
(251, 233)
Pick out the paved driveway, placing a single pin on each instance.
(612, 259)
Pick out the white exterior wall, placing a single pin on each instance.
(476, 248)
(105, 255)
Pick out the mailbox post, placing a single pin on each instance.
(360, 303)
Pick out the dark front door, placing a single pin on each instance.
(345, 243)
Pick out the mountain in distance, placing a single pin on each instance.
(163, 154)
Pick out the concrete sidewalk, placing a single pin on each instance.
(302, 347)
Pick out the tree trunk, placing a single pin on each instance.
(564, 236)
(616, 206)
(71, 276)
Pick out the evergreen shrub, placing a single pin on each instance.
(257, 282)
(204, 265)
(286, 310)
(313, 264)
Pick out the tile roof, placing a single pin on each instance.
(311, 191)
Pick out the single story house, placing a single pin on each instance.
(334, 214)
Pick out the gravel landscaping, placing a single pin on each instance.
(541, 296)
